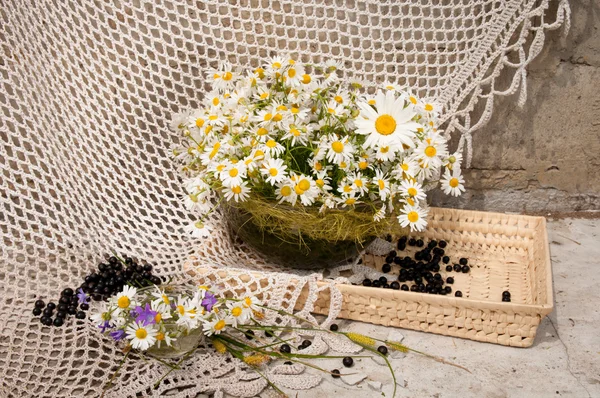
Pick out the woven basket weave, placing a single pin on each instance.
(506, 252)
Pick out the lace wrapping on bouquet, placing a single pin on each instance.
(87, 92)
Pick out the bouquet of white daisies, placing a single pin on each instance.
(302, 136)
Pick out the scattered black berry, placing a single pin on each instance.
(404, 287)
(80, 315)
(420, 243)
(84, 306)
(67, 292)
(445, 259)
(442, 244)
(64, 300)
(148, 268)
(249, 334)
(414, 288)
(465, 269)
(463, 261)
(113, 260)
(61, 314)
(448, 268)
(432, 244)
(288, 363)
(458, 293)
(376, 283)
(382, 349)
(437, 276)
(335, 374)
(348, 361)
(367, 282)
(395, 285)
(58, 322)
(333, 327)
(457, 267)
(37, 311)
(47, 312)
(506, 299)
(383, 280)
(306, 343)
(450, 280)
(285, 348)
(386, 268)
(448, 289)
(412, 242)
(39, 304)
(506, 293)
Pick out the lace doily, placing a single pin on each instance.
(87, 90)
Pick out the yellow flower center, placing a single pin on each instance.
(267, 117)
(160, 336)
(215, 101)
(347, 188)
(264, 95)
(199, 122)
(320, 183)
(410, 201)
(331, 111)
(236, 311)
(384, 149)
(453, 182)
(343, 165)
(213, 117)
(282, 108)
(213, 153)
(337, 147)
(262, 131)
(358, 182)
(428, 107)
(304, 184)
(260, 72)
(412, 191)
(430, 151)
(413, 216)
(158, 318)
(227, 76)
(292, 72)
(372, 102)
(248, 301)
(180, 309)
(295, 132)
(389, 87)
(404, 166)
(141, 333)
(277, 117)
(286, 191)
(338, 99)
(295, 110)
(271, 144)
(221, 167)
(166, 299)
(381, 184)
(385, 124)
(258, 154)
(233, 172)
(236, 189)
(220, 325)
(123, 302)
(306, 79)
(363, 165)
(276, 65)
(273, 171)
(318, 166)
(216, 76)
(350, 201)
(413, 100)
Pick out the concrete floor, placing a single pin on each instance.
(563, 362)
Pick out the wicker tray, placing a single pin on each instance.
(506, 252)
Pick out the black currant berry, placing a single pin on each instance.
(386, 268)
(376, 283)
(285, 348)
(348, 361)
(463, 261)
(465, 269)
(367, 282)
(395, 285)
(80, 315)
(448, 268)
(458, 293)
(335, 374)
(333, 327)
(450, 280)
(382, 349)
(306, 343)
(39, 304)
(37, 311)
(404, 287)
(249, 334)
(58, 322)
(457, 267)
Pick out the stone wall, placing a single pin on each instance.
(546, 155)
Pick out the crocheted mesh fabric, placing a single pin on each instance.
(87, 89)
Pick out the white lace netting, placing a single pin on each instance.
(87, 89)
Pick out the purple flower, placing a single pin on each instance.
(105, 325)
(81, 296)
(118, 334)
(208, 301)
(145, 315)
(133, 313)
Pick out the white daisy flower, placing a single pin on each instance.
(339, 149)
(333, 65)
(160, 296)
(272, 148)
(387, 153)
(382, 183)
(213, 99)
(432, 150)
(275, 66)
(293, 74)
(210, 153)
(238, 313)
(297, 135)
(305, 188)
(252, 303)
(285, 192)
(342, 97)
(223, 77)
(452, 183)
(412, 189)
(347, 201)
(329, 202)
(454, 161)
(198, 229)
(389, 123)
(408, 168)
(163, 311)
(413, 216)
(380, 214)
(124, 300)
(358, 182)
(262, 93)
(237, 192)
(233, 174)
(322, 181)
(142, 336)
(335, 109)
(187, 313)
(164, 337)
(274, 169)
(105, 314)
(215, 326)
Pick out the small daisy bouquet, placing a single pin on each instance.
(305, 151)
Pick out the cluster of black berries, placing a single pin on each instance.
(110, 278)
(67, 305)
(422, 270)
(100, 285)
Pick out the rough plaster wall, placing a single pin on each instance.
(546, 155)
